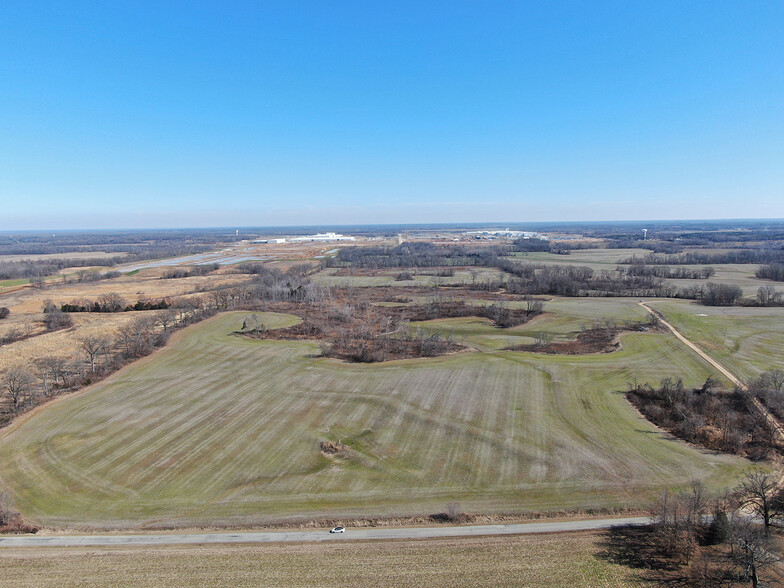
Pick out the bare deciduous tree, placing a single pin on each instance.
(93, 346)
(758, 492)
(111, 302)
(166, 318)
(7, 513)
(17, 382)
(750, 548)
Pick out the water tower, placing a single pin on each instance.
(644, 234)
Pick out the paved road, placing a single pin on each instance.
(310, 536)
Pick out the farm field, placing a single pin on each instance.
(596, 258)
(573, 559)
(11, 283)
(216, 429)
(149, 284)
(741, 275)
(745, 340)
(421, 277)
(563, 319)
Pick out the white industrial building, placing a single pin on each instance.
(257, 241)
(323, 237)
(505, 234)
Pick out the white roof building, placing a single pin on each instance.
(323, 237)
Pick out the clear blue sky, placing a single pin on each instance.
(166, 114)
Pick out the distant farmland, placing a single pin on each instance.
(746, 340)
(216, 429)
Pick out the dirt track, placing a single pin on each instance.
(724, 371)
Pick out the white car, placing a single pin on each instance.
(338, 530)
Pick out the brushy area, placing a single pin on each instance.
(360, 332)
(714, 418)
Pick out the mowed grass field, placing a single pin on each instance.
(217, 429)
(563, 319)
(572, 559)
(747, 341)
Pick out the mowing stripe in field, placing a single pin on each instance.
(216, 428)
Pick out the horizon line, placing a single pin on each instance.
(411, 224)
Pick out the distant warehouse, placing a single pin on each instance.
(269, 241)
(322, 237)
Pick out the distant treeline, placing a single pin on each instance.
(713, 237)
(114, 303)
(416, 254)
(664, 271)
(771, 271)
(196, 270)
(573, 280)
(34, 268)
(700, 258)
(655, 245)
(624, 242)
(639, 277)
(28, 269)
(109, 241)
(531, 278)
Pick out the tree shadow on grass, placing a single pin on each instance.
(635, 547)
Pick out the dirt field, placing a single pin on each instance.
(217, 429)
(552, 560)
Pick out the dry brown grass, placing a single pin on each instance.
(63, 343)
(26, 310)
(147, 284)
(551, 560)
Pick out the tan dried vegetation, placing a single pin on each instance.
(544, 560)
(26, 307)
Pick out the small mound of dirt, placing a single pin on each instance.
(330, 448)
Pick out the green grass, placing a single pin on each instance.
(747, 341)
(741, 275)
(599, 259)
(218, 429)
(11, 283)
(563, 319)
